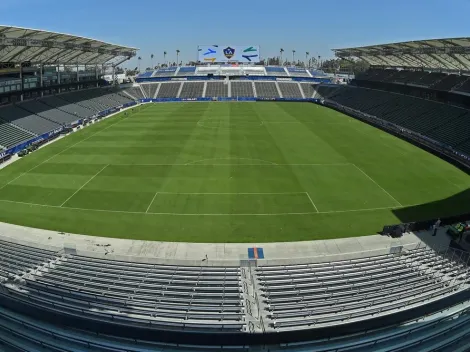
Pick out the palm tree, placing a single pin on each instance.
(151, 60)
(140, 59)
(307, 54)
(281, 51)
(293, 57)
(164, 57)
(177, 56)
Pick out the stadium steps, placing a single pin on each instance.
(278, 90)
(255, 93)
(179, 90)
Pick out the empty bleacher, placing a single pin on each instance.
(209, 300)
(290, 90)
(330, 294)
(27, 120)
(73, 109)
(266, 90)
(11, 135)
(134, 92)
(146, 74)
(192, 90)
(169, 90)
(297, 72)
(308, 89)
(165, 72)
(186, 71)
(216, 89)
(241, 89)
(276, 71)
(54, 115)
(189, 298)
(441, 122)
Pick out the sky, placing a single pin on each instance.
(155, 26)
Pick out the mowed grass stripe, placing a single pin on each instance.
(315, 152)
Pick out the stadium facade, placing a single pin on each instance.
(404, 299)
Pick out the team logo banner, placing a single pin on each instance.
(228, 53)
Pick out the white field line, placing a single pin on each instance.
(148, 208)
(233, 193)
(234, 158)
(63, 150)
(202, 214)
(193, 164)
(311, 201)
(87, 182)
(383, 189)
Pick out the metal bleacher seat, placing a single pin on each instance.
(73, 109)
(10, 135)
(186, 71)
(27, 120)
(216, 89)
(316, 295)
(308, 89)
(266, 89)
(290, 90)
(187, 297)
(192, 90)
(134, 92)
(242, 89)
(276, 71)
(52, 114)
(169, 90)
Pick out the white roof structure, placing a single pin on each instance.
(19, 45)
(448, 54)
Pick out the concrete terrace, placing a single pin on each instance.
(218, 254)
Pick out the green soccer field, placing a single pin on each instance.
(229, 172)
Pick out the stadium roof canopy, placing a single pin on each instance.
(19, 45)
(448, 54)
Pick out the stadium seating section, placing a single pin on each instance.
(186, 71)
(26, 120)
(298, 72)
(276, 71)
(209, 300)
(169, 90)
(216, 89)
(242, 89)
(444, 123)
(434, 80)
(266, 90)
(290, 89)
(192, 90)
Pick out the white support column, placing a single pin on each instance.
(229, 90)
(22, 81)
(255, 94)
(204, 89)
(301, 90)
(41, 84)
(114, 75)
(58, 75)
(179, 90)
(278, 90)
(156, 91)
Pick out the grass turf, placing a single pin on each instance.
(229, 172)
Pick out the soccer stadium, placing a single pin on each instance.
(232, 205)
